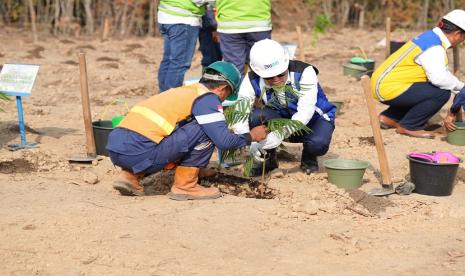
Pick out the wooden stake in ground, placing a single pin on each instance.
(382, 158)
(106, 28)
(300, 39)
(388, 37)
(90, 142)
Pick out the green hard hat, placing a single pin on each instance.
(230, 74)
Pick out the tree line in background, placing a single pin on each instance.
(138, 17)
(413, 14)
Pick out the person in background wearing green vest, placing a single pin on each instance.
(179, 22)
(241, 23)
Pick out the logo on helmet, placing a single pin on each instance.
(268, 66)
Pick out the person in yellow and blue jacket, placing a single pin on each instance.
(178, 128)
(415, 81)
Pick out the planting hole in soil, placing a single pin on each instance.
(239, 186)
(17, 166)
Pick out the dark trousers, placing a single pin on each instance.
(413, 108)
(188, 146)
(316, 143)
(236, 47)
(210, 50)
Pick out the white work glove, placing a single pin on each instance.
(256, 151)
(272, 140)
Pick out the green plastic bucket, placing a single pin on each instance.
(369, 64)
(457, 137)
(346, 173)
(354, 70)
(116, 120)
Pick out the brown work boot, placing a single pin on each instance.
(128, 184)
(415, 133)
(386, 122)
(185, 186)
(207, 172)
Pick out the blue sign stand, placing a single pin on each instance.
(22, 129)
(18, 80)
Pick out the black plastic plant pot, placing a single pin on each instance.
(435, 179)
(101, 131)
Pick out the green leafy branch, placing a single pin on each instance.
(322, 23)
(238, 112)
(3, 97)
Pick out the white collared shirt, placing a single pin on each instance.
(437, 71)
(306, 105)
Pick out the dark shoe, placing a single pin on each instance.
(308, 169)
(386, 122)
(415, 133)
(308, 162)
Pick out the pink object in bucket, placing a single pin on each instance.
(437, 157)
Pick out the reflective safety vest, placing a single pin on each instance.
(399, 71)
(156, 117)
(243, 16)
(184, 8)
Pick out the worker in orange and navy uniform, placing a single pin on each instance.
(182, 125)
(415, 81)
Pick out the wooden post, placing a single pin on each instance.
(106, 28)
(382, 158)
(456, 59)
(32, 13)
(388, 37)
(300, 39)
(90, 142)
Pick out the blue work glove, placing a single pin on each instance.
(458, 102)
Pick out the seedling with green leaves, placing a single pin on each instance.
(240, 112)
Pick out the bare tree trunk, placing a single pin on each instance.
(47, 12)
(155, 20)
(123, 18)
(89, 17)
(130, 25)
(151, 17)
(56, 17)
(32, 13)
(423, 18)
(361, 17)
(328, 9)
(345, 8)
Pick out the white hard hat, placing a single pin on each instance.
(268, 58)
(456, 17)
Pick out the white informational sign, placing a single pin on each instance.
(18, 79)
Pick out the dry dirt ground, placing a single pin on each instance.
(58, 218)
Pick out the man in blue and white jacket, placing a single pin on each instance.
(286, 89)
